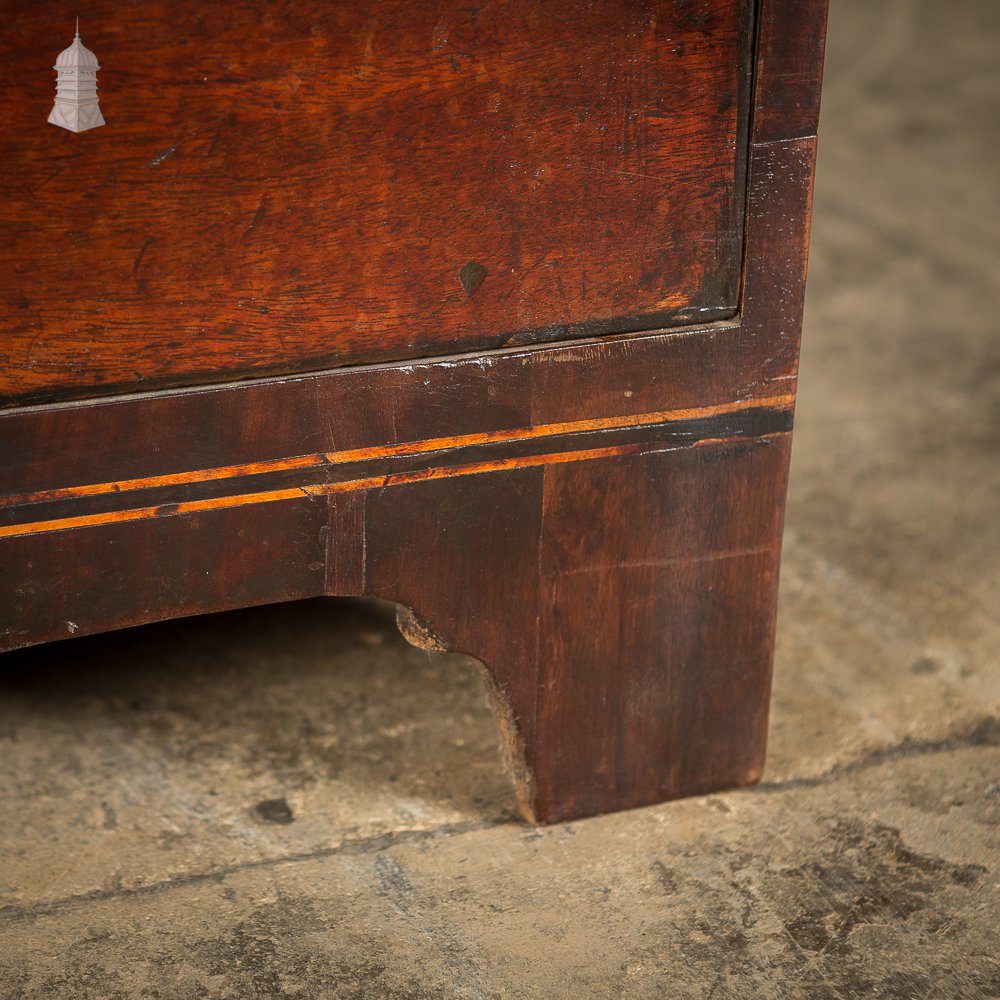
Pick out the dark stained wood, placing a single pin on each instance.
(345, 544)
(676, 589)
(297, 186)
(597, 521)
(788, 72)
(657, 630)
(76, 582)
(774, 275)
(339, 474)
(424, 549)
(432, 405)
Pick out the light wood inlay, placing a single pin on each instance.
(322, 459)
(353, 485)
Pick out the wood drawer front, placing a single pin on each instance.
(289, 186)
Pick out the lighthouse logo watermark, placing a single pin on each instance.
(76, 106)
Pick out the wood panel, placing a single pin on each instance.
(791, 36)
(59, 584)
(291, 186)
(657, 630)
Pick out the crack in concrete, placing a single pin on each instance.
(366, 845)
(985, 732)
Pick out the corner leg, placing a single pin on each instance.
(624, 607)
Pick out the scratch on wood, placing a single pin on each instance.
(672, 560)
(364, 544)
(323, 418)
(626, 173)
(146, 244)
(165, 155)
(257, 217)
(392, 415)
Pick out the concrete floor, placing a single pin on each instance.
(291, 802)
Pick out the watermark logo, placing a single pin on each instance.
(76, 106)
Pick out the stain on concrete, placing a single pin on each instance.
(665, 876)
(392, 878)
(866, 875)
(271, 953)
(275, 811)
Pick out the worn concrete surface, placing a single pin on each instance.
(291, 802)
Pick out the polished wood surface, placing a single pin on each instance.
(597, 521)
(291, 186)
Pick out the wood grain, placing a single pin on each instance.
(295, 186)
(791, 36)
(680, 417)
(682, 607)
(67, 583)
(632, 663)
(66, 510)
(598, 521)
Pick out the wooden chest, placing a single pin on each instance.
(491, 310)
